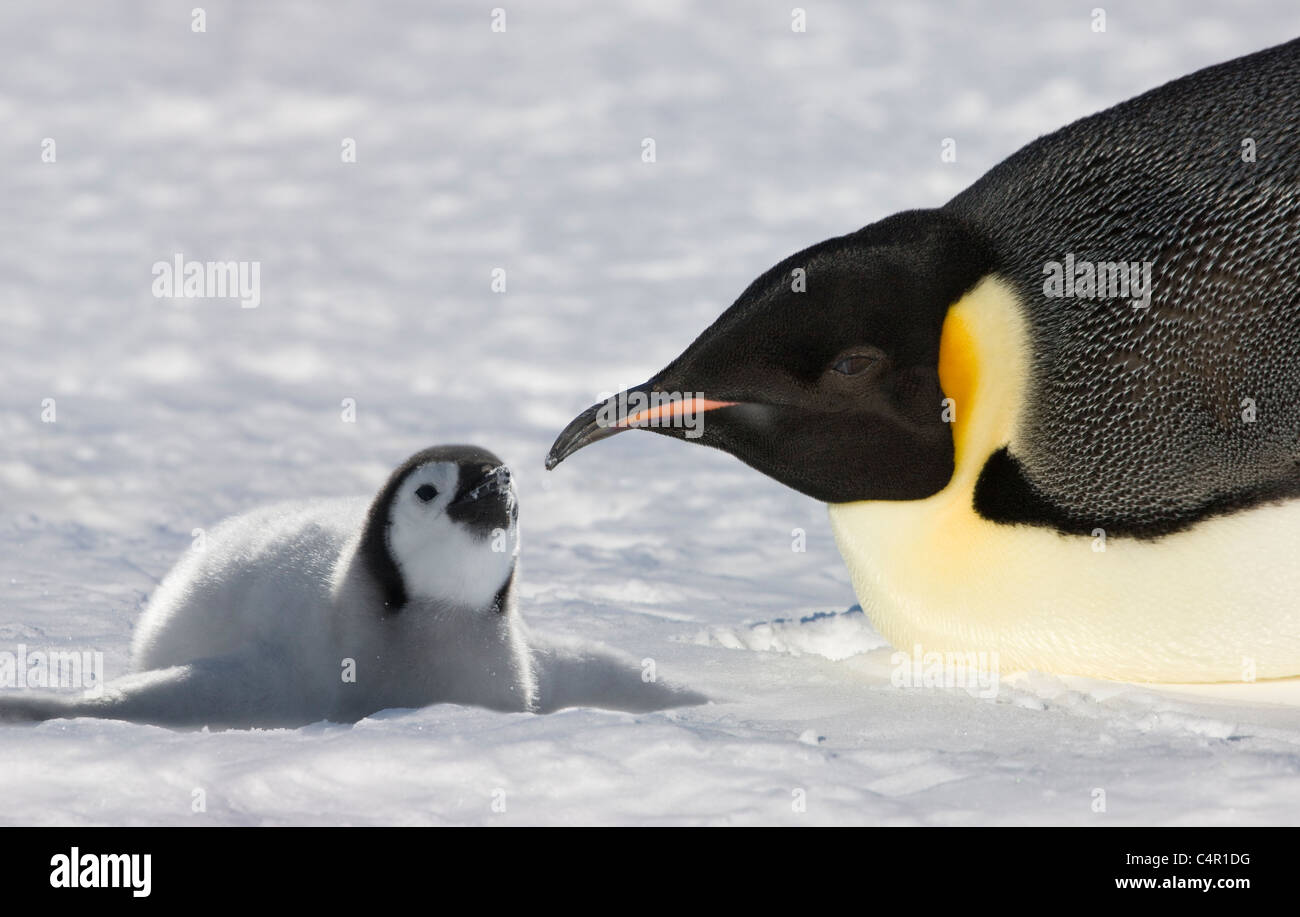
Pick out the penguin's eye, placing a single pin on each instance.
(426, 492)
(855, 364)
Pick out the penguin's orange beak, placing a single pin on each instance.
(664, 412)
(639, 407)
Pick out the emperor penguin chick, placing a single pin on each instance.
(333, 610)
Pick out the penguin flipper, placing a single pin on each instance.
(219, 693)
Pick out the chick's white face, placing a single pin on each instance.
(453, 531)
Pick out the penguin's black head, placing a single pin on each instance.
(824, 373)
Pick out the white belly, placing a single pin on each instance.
(1219, 602)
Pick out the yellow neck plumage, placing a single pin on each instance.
(1215, 603)
(983, 329)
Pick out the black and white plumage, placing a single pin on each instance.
(1079, 484)
(1200, 177)
(334, 609)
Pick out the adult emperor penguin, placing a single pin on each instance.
(334, 610)
(1057, 418)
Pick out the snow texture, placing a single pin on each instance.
(522, 150)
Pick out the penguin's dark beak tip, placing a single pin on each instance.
(583, 430)
(554, 457)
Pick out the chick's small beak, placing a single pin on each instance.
(492, 480)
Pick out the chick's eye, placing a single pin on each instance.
(856, 363)
(426, 492)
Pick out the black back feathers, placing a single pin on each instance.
(1143, 420)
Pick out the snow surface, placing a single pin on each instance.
(522, 151)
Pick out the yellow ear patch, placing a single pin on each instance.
(958, 372)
